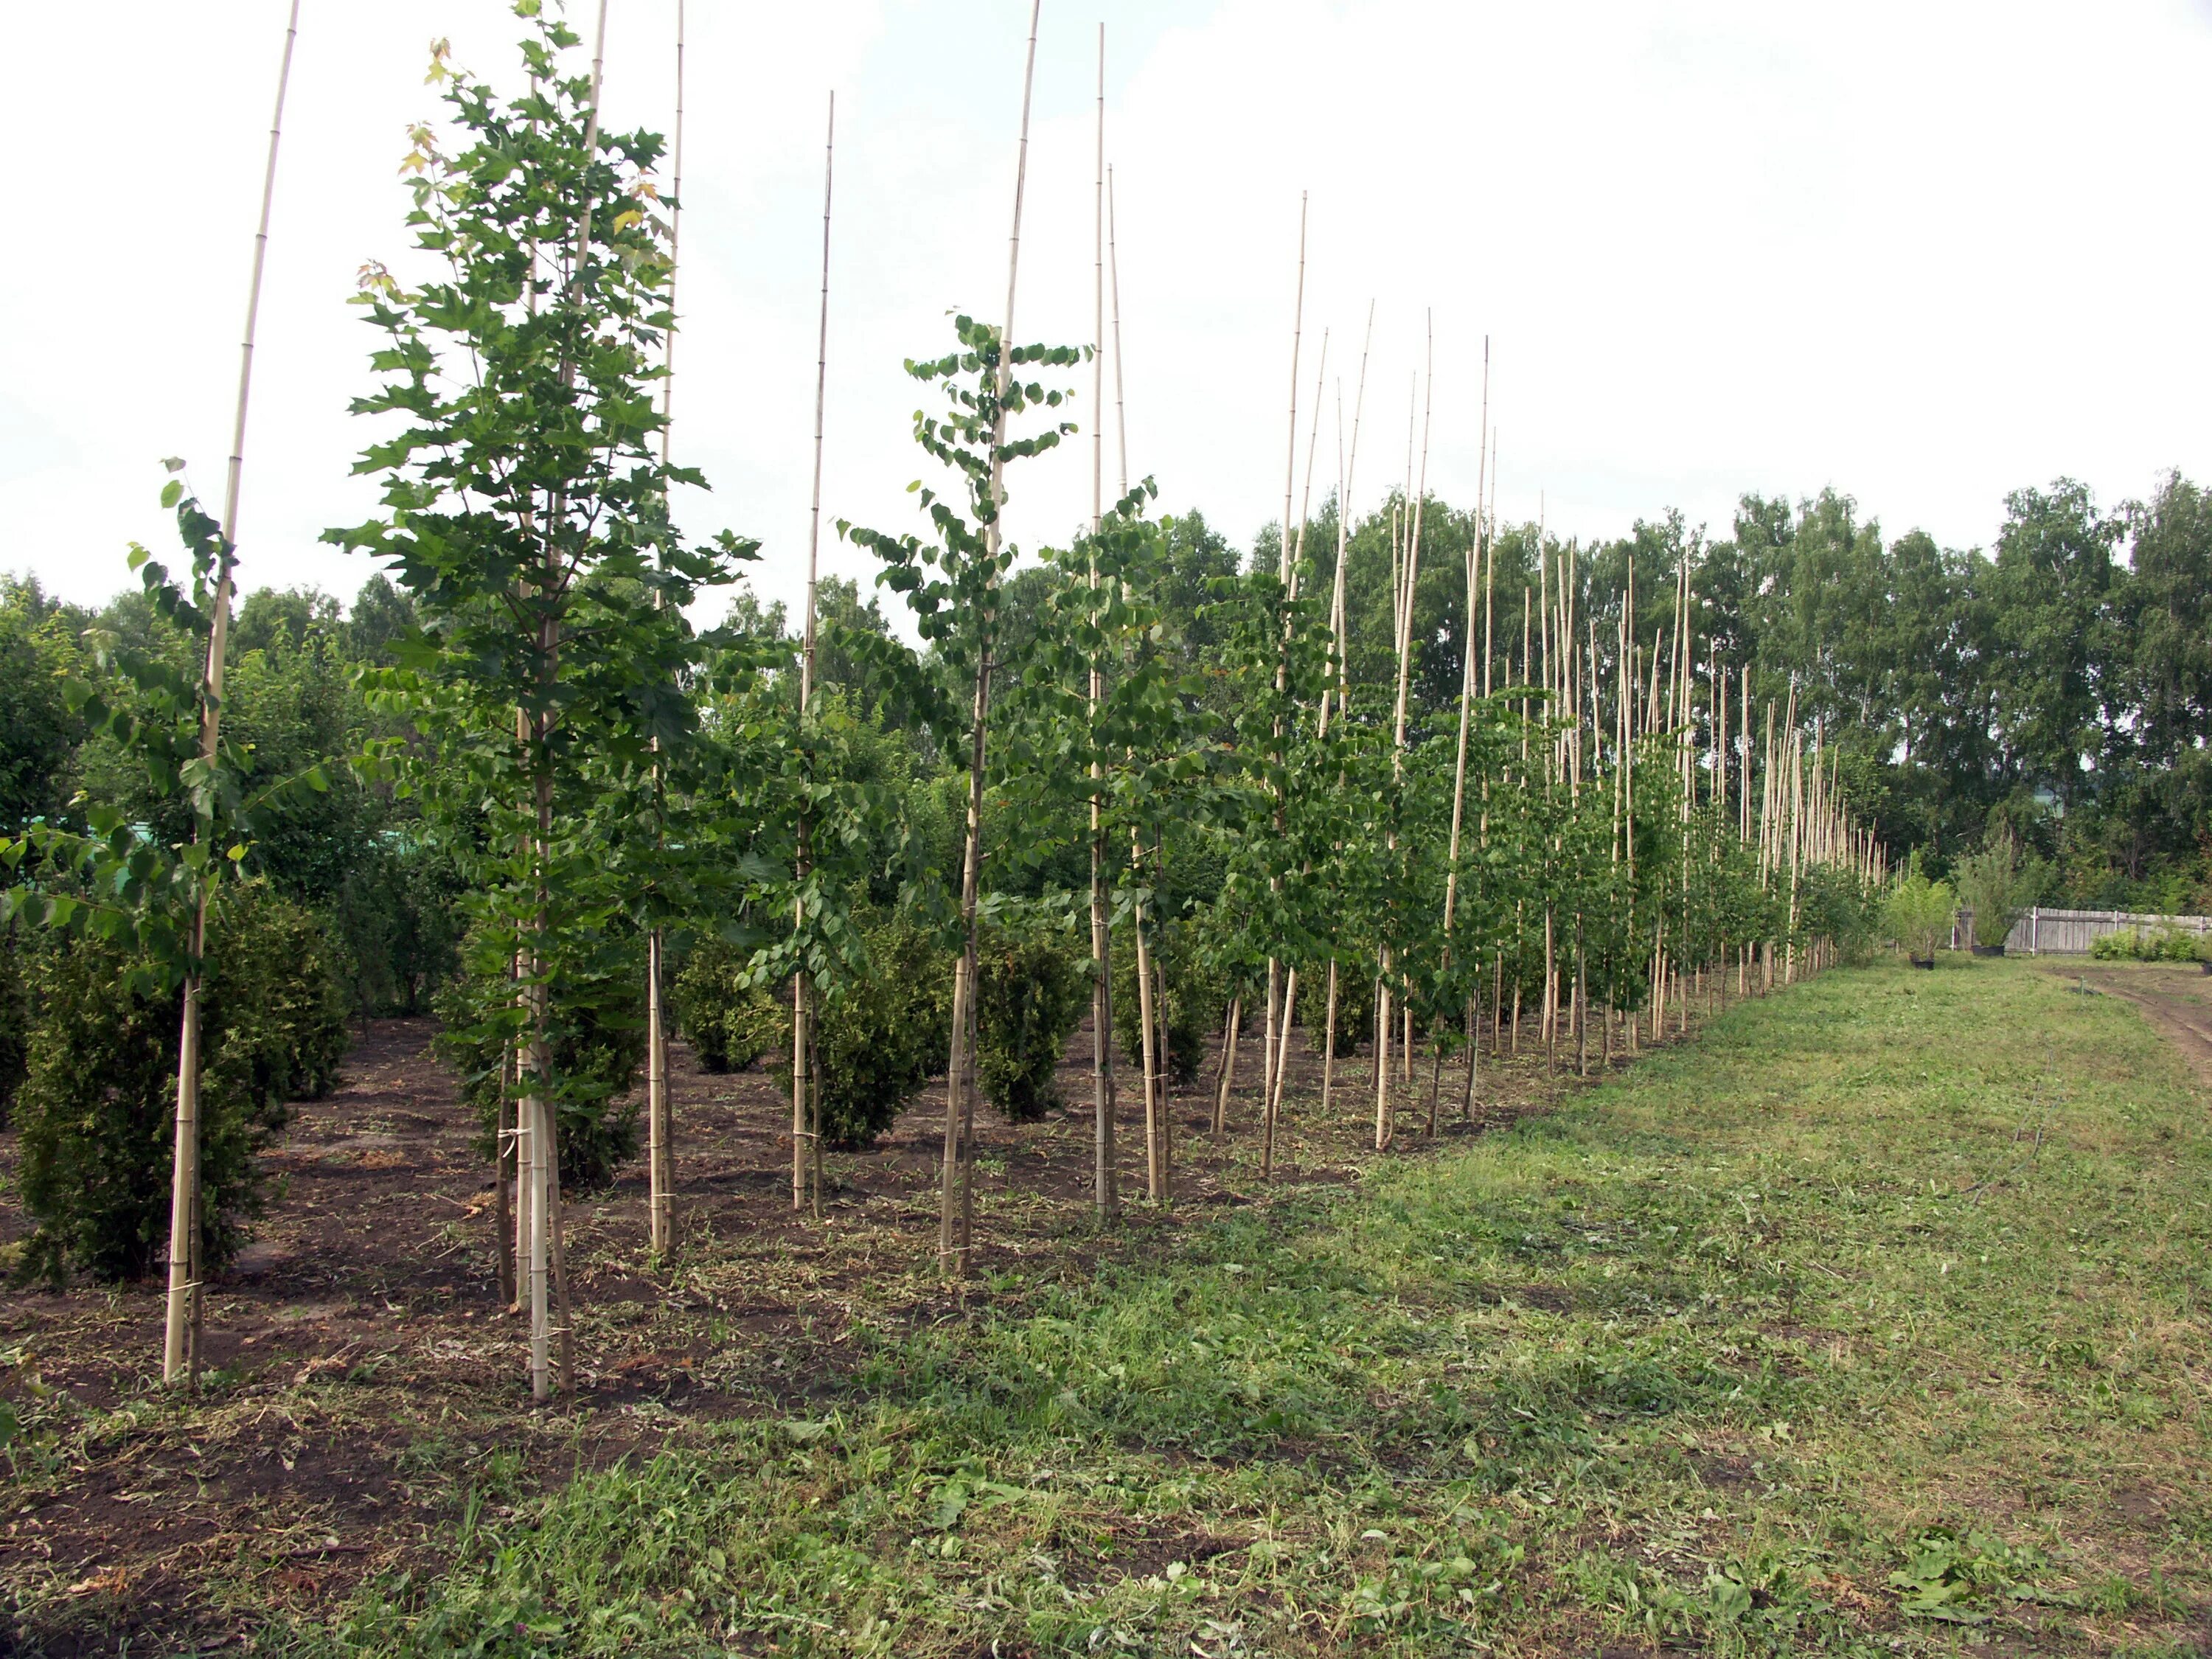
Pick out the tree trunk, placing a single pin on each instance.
(1155, 1164)
(1233, 1031)
(1329, 1043)
(659, 1166)
(1382, 1113)
(184, 1187)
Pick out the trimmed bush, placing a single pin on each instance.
(729, 1021)
(883, 1038)
(1033, 995)
(2168, 944)
(98, 1102)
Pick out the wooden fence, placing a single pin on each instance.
(2043, 932)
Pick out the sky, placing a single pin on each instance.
(1923, 254)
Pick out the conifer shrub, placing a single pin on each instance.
(1032, 996)
(1355, 1007)
(729, 1021)
(98, 1100)
(878, 1040)
(17, 944)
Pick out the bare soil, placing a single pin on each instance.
(2175, 997)
(364, 1371)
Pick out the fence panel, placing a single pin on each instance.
(2043, 932)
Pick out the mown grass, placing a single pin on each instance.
(1874, 1321)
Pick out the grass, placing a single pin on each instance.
(1874, 1322)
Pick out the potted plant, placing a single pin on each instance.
(1918, 914)
(1997, 884)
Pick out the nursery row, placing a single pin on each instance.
(1109, 776)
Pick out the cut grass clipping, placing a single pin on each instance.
(1872, 1320)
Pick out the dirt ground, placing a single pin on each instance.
(2175, 996)
(364, 1369)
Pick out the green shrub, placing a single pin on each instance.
(1034, 992)
(2168, 944)
(878, 1040)
(98, 1101)
(1998, 884)
(1918, 912)
(1355, 1008)
(598, 1046)
(882, 1037)
(729, 1021)
(17, 944)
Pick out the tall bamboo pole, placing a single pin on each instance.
(179, 1345)
(1337, 686)
(1405, 621)
(956, 1215)
(806, 1085)
(1288, 567)
(1278, 1063)
(659, 1157)
(1106, 1192)
(1459, 764)
(1150, 1006)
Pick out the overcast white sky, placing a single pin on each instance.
(1925, 253)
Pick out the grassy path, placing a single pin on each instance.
(1874, 1322)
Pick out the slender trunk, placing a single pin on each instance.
(1436, 1072)
(1231, 1033)
(1474, 1048)
(956, 1217)
(1106, 1187)
(177, 1362)
(1382, 1113)
(1155, 1110)
(656, 1095)
(953, 1239)
(535, 1107)
(1166, 1094)
(502, 1160)
(1329, 1043)
(1278, 1066)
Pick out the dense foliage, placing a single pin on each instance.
(100, 1082)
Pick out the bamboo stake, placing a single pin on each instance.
(956, 1228)
(180, 1348)
(1232, 1029)
(1287, 568)
(1114, 289)
(806, 1086)
(1348, 468)
(1105, 1174)
(1459, 763)
(660, 1164)
(1405, 622)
